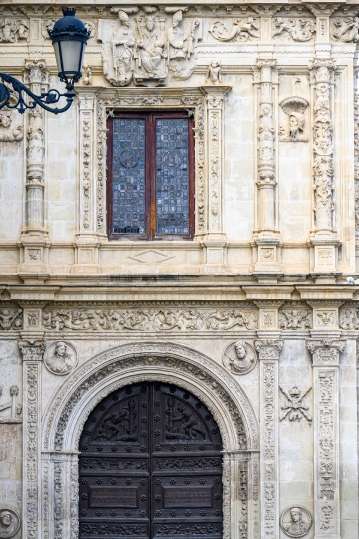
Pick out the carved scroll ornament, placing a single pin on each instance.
(242, 30)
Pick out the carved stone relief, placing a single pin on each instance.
(295, 319)
(11, 318)
(48, 24)
(348, 317)
(293, 29)
(14, 30)
(294, 408)
(345, 29)
(9, 133)
(60, 358)
(9, 523)
(146, 49)
(322, 72)
(214, 72)
(241, 30)
(294, 107)
(240, 357)
(180, 319)
(296, 521)
(14, 408)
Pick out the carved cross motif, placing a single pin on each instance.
(295, 408)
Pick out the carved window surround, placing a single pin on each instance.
(206, 103)
(126, 364)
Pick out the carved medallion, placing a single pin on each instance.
(9, 523)
(296, 521)
(61, 357)
(240, 357)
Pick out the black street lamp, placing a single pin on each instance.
(69, 37)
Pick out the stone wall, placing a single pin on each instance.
(254, 316)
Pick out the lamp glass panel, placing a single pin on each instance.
(57, 56)
(71, 55)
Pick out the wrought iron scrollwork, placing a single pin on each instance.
(14, 98)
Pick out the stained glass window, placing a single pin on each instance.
(172, 180)
(150, 176)
(128, 176)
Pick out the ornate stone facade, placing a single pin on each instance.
(253, 317)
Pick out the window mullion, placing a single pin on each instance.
(152, 176)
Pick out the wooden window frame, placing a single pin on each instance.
(150, 118)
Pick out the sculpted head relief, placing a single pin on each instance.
(60, 358)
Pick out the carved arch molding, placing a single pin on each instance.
(128, 364)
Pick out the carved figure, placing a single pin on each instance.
(13, 30)
(239, 357)
(181, 46)
(150, 51)
(295, 108)
(15, 409)
(62, 360)
(295, 319)
(241, 31)
(295, 29)
(191, 425)
(214, 72)
(296, 521)
(86, 75)
(6, 134)
(9, 523)
(10, 319)
(123, 43)
(295, 409)
(345, 30)
(125, 420)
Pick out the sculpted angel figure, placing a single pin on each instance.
(241, 31)
(8, 31)
(214, 72)
(6, 133)
(122, 49)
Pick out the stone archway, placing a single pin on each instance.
(128, 364)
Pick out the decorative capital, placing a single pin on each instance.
(326, 351)
(269, 348)
(321, 70)
(32, 350)
(36, 72)
(265, 63)
(215, 95)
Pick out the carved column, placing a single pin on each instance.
(325, 358)
(323, 236)
(34, 236)
(266, 233)
(268, 351)
(32, 355)
(214, 242)
(87, 242)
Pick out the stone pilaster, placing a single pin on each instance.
(325, 358)
(86, 240)
(34, 233)
(32, 356)
(214, 242)
(323, 237)
(266, 233)
(268, 352)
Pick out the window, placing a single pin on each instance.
(150, 176)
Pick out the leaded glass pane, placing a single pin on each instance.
(172, 176)
(128, 176)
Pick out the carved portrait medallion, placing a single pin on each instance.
(60, 358)
(9, 523)
(296, 521)
(239, 357)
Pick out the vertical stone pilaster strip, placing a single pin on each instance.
(37, 78)
(325, 358)
(266, 179)
(86, 224)
(32, 354)
(269, 351)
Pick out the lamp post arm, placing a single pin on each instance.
(44, 100)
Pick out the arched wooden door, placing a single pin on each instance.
(150, 466)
